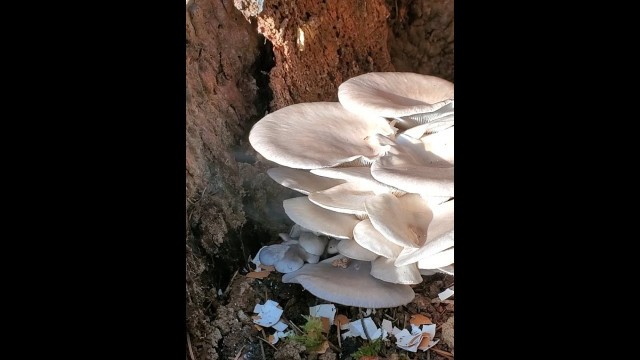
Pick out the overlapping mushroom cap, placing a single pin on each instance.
(315, 135)
(377, 172)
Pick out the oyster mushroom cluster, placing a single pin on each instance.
(376, 174)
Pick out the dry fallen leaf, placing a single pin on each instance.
(369, 357)
(258, 327)
(419, 319)
(323, 348)
(268, 267)
(258, 274)
(325, 324)
(341, 320)
(424, 343)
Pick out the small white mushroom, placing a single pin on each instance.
(291, 261)
(269, 255)
(440, 235)
(395, 94)
(371, 239)
(351, 249)
(438, 260)
(301, 180)
(353, 286)
(403, 221)
(313, 244)
(332, 246)
(315, 218)
(385, 270)
(320, 134)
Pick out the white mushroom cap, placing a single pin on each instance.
(345, 198)
(394, 94)
(315, 135)
(358, 175)
(353, 286)
(312, 244)
(403, 221)
(371, 239)
(385, 270)
(352, 250)
(332, 246)
(269, 255)
(408, 169)
(301, 180)
(315, 218)
(438, 260)
(439, 235)
(291, 261)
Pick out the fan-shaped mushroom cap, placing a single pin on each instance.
(345, 198)
(413, 171)
(403, 221)
(358, 175)
(437, 146)
(301, 180)
(315, 135)
(352, 250)
(315, 218)
(371, 239)
(438, 260)
(440, 235)
(353, 286)
(385, 270)
(312, 244)
(394, 94)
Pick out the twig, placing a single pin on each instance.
(334, 347)
(240, 352)
(295, 327)
(388, 317)
(339, 341)
(266, 341)
(190, 349)
(230, 282)
(366, 333)
(262, 348)
(442, 352)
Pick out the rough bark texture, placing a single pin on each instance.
(235, 75)
(320, 44)
(220, 97)
(422, 36)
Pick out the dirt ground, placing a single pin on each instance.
(241, 64)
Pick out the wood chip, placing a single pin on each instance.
(258, 327)
(419, 320)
